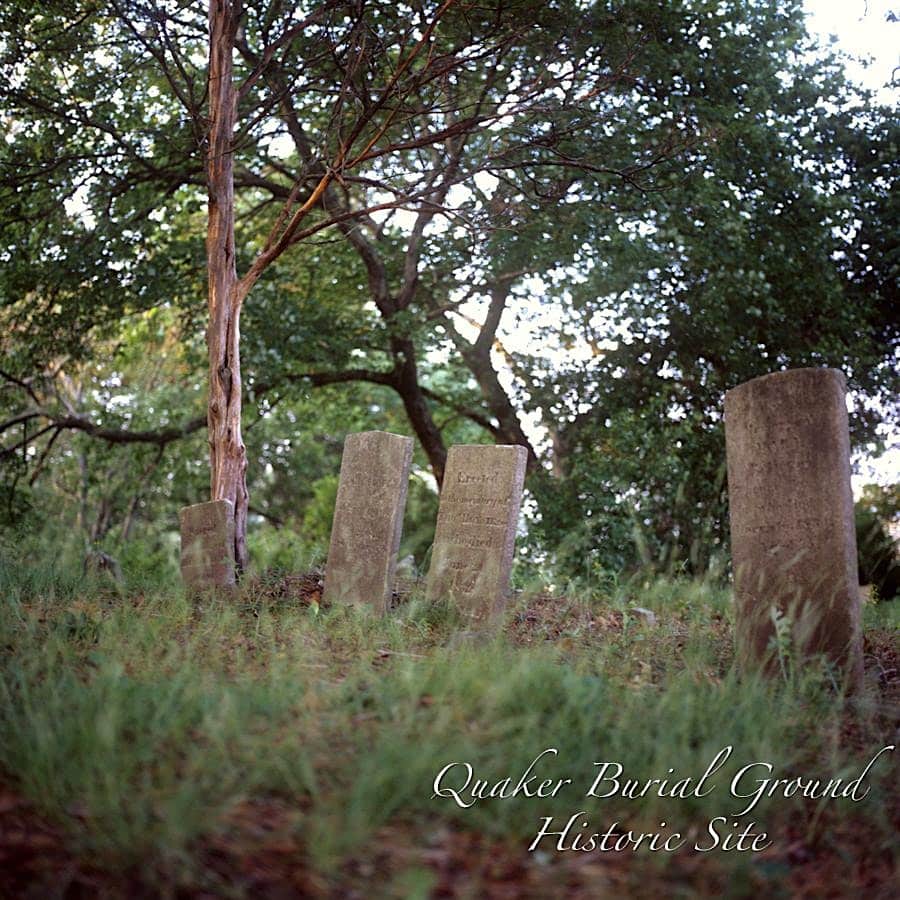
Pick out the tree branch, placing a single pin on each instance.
(159, 437)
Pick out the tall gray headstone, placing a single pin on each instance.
(207, 546)
(368, 519)
(476, 528)
(792, 530)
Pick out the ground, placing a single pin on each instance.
(268, 747)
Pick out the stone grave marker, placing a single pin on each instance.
(207, 546)
(791, 505)
(476, 528)
(368, 519)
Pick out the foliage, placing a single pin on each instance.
(879, 556)
(677, 198)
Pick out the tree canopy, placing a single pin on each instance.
(665, 198)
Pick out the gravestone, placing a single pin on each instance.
(791, 505)
(476, 529)
(368, 518)
(207, 546)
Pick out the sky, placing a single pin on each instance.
(859, 28)
(862, 30)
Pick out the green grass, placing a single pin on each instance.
(142, 724)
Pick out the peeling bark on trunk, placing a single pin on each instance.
(227, 454)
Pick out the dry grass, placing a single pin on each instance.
(270, 747)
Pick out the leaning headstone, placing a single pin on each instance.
(368, 518)
(792, 534)
(207, 546)
(476, 529)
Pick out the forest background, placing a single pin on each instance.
(574, 227)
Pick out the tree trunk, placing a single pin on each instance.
(416, 406)
(477, 356)
(227, 454)
(498, 402)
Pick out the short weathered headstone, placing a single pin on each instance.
(476, 528)
(207, 546)
(792, 533)
(368, 519)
